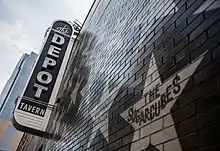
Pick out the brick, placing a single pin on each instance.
(209, 136)
(206, 24)
(207, 72)
(136, 135)
(172, 145)
(125, 148)
(106, 148)
(212, 9)
(190, 9)
(198, 91)
(140, 144)
(181, 64)
(180, 114)
(98, 146)
(208, 103)
(189, 29)
(187, 126)
(214, 28)
(216, 52)
(170, 19)
(134, 99)
(212, 148)
(139, 88)
(151, 128)
(190, 141)
(169, 64)
(194, 44)
(145, 54)
(127, 139)
(209, 45)
(126, 130)
(164, 135)
(114, 128)
(168, 121)
(154, 148)
(189, 3)
(117, 144)
(209, 118)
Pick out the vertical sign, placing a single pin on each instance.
(34, 107)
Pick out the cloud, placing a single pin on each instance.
(24, 22)
(15, 38)
(13, 43)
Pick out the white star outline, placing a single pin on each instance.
(147, 128)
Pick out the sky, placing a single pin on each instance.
(23, 24)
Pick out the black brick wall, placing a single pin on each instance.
(127, 58)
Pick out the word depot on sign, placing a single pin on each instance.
(44, 77)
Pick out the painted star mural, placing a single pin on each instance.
(158, 100)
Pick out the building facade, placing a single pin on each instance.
(9, 136)
(143, 76)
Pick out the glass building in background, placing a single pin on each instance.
(9, 136)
